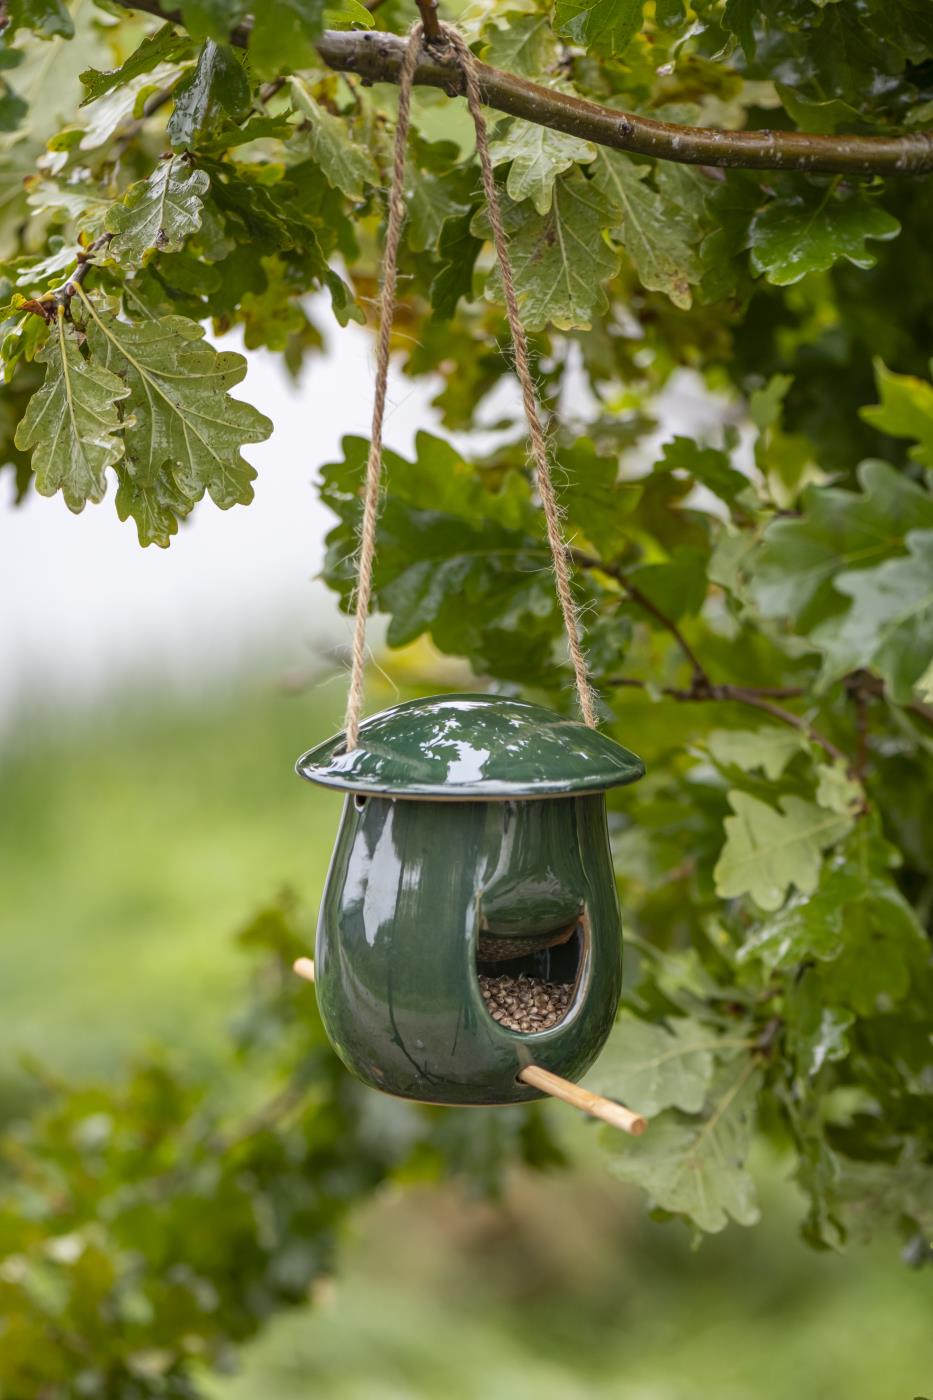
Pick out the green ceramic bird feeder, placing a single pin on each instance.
(470, 925)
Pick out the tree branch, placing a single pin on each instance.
(428, 11)
(742, 695)
(701, 679)
(377, 57)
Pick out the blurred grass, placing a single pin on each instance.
(133, 842)
(566, 1291)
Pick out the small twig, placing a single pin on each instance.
(701, 679)
(268, 90)
(741, 695)
(860, 700)
(48, 304)
(702, 687)
(85, 263)
(873, 687)
(428, 11)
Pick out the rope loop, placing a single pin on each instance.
(536, 434)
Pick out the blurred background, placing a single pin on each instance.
(151, 707)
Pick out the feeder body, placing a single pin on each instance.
(413, 886)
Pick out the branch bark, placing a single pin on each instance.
(701, 680)
(377, 57)
(744, 695)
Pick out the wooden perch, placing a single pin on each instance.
(592, 1104)
(587, 1102)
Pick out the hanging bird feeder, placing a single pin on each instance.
(470, 926)
(469, 947)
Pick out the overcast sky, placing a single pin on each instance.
(81, 604)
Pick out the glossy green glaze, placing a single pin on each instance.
(469, 747)
(475, 825)
(410, 886)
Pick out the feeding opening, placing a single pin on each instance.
(529, 983)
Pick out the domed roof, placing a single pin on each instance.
(472, 747)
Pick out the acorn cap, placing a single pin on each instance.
(472, 747)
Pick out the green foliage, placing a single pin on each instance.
(654, 232)
(560, 259)
(185, 433)
(444, 539)
(599, 24)
(218, 84)
(537, 155)
(71, 423)
(696, 1168)
(165, 45)
(158, 213)
(757, 598)
(253, 1203)
(905, 411)
(889, 626)
(796, 568)
(767, 849)
(804, 233)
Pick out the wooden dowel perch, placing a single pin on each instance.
(593, 1104)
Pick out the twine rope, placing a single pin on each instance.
(538, 442)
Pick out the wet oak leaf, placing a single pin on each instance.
(656, 234)
(696, 1167)
(560, 259)
(811, 231)
(816, 1034)
(608, 25)
(538, 155)
(158, 214)
(217, 84)
(808, 926)
(347, 164)
(71, 422)
(769, 849)
(166, 45)
(186, 433)
(793, 573)
(889, 626)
